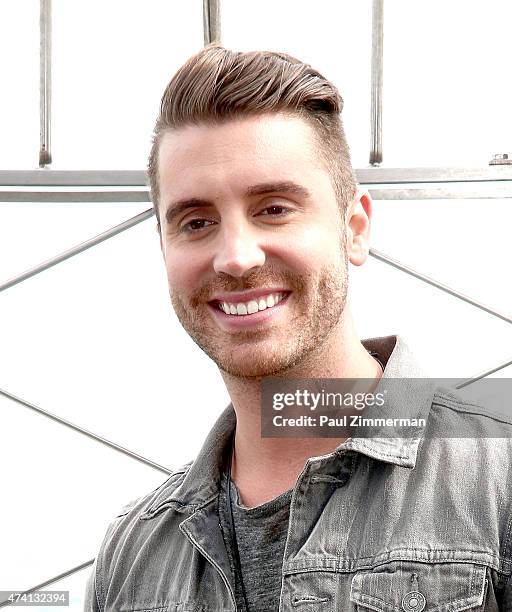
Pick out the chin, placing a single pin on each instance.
(254, 365)
(246, 368)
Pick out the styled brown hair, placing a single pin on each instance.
(217, 85)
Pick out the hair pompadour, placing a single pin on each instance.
(218, 84)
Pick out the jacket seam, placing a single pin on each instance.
(499, 560)
(100, 607)
(507, 552)
(100, 591)
(101, 595)
(465, 407)
(377, 452)
(172, 485)
(148, 515)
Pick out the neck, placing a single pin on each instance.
(263, 468)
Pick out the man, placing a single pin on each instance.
(258, 215)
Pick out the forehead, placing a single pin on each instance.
(242, 151)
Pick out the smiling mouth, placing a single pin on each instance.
(240, 309)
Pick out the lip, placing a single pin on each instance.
(259, 318)
(247, 296)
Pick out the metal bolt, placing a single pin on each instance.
(501, 159)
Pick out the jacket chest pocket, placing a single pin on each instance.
(409, 586)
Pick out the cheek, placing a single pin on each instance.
(314, 246)
(182, 271)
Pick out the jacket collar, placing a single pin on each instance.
(199, 484)
(411, 397)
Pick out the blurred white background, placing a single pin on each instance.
(94, 340)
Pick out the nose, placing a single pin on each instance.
(238, 251)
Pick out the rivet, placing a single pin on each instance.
(414, 601)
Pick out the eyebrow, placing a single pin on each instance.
(289, 187)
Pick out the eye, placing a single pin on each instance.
(281, 210)
(194, 225)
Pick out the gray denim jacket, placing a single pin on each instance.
(392, 525)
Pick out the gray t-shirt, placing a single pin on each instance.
(261, 537)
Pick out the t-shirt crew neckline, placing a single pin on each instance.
(266, 509)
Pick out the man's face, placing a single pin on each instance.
(247, 211)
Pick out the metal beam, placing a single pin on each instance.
(400, 266)
(138, 178)
(468, 381)
(77, 249)
(74, 178)
(376, 83)
(407, 176)
(85, 432)
(5, 603)
(211, 21)
(452, 191)
(74, 196)
(45, 81)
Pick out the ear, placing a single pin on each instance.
(358, 220)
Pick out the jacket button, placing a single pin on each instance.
(414, 601)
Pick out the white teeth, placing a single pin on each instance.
(252, 307)
(245, 308)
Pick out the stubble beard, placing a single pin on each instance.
(314, 312)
